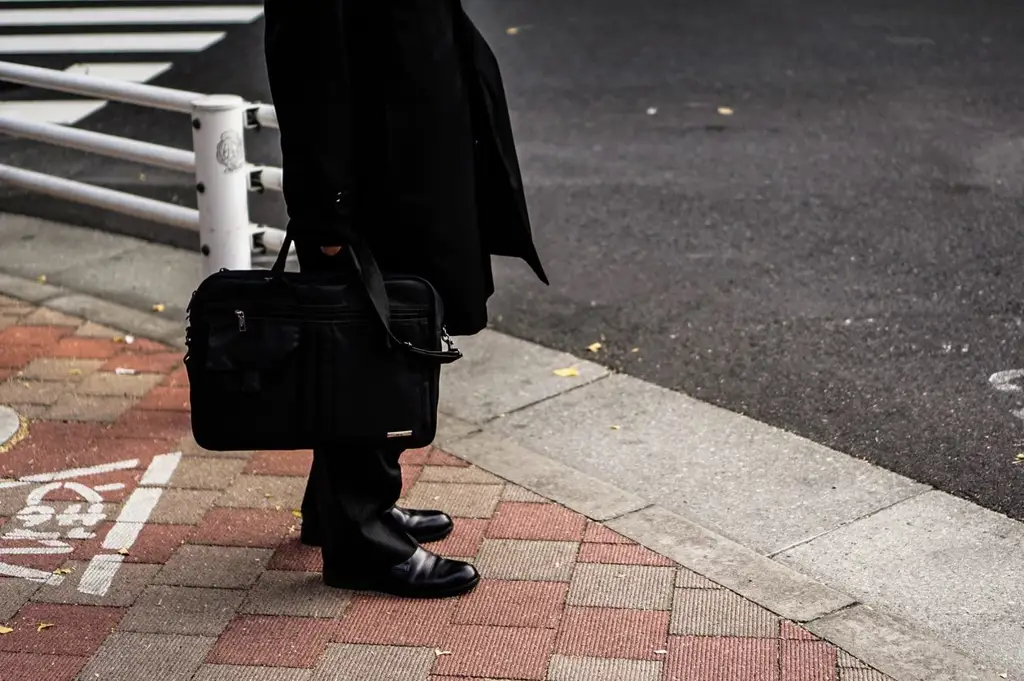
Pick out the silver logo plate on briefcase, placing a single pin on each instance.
(399, 433)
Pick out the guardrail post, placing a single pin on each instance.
(222, 182)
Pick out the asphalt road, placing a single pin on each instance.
(838, 257)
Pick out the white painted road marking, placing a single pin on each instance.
(64, 111)
(131, 72)
(103, 567)
(59, 111)
(1004, 380)
(10, 424)
(71, 111)
(100, 574)
(49, 528)
(98, 469)
(139, 505)
(67, 43)
(161, 470)
(112, 16)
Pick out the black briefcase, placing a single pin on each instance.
(284, 360)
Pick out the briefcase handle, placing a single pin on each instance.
(373, 283)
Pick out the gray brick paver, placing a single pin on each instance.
(130, 656)
(183, 610)
(295, 594)
(219, 567)
(638, 587)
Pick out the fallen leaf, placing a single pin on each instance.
(118, 339)
(725, 111)
(74, 372)
(159, 307)
(41, 278)
(62, 571)
(297, 514)
(568, 372)
(635, 350)
(5, 630)
(43, 625)
(266, 496)
(123, 552)
(616, 427)
(594, 347)
(121, 371)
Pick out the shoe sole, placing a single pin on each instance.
(368, 585)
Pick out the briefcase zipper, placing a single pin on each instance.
(324, 316)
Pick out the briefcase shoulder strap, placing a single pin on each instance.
(373, 282)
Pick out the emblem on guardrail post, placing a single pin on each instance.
(231, 151)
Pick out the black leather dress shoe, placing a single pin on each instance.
(423, 526)
(424, 575)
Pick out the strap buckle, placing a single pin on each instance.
(448, 340)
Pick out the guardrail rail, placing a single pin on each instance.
(223, 177)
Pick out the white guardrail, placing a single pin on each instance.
(223, 177)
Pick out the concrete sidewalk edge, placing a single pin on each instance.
(900, 650)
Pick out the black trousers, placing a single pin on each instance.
(349, 492)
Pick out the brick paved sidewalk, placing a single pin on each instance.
(123, 559)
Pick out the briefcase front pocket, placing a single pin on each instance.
(251, 387)
(369, 390)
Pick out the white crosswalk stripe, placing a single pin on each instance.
(54, 29)
(112, 16)
(68, 43)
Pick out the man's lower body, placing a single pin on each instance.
(349, 510)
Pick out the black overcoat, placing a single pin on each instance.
(394, 124)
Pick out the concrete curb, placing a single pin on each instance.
(504, 377)
(142, 324)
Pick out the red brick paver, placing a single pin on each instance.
(155, 363)
(497, 652)
(613, 632)
(251, 588)
(273, 641)
(296, 557)
(514, 604)
(253, 527)
(713, 658)
(34, 336)
(156, 543)
(296, 464)
(30, 667)
(409, 622)
(76, 629)
(86, 348)
(514, 520)
(166, 399)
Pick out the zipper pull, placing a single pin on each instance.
(241, 320)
